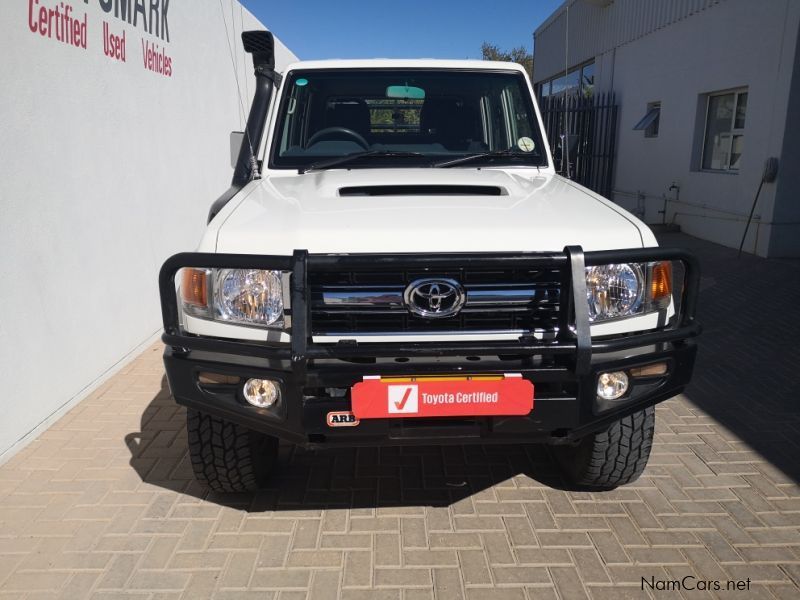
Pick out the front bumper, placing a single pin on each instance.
(315, 378)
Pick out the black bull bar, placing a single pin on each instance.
(572, 343)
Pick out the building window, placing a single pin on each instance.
(578, 81)
(544, 89)
(649, 122)
(566, 84)
(587, 80)
(724, 135)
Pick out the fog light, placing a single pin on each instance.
(611, 386)
(263, 393)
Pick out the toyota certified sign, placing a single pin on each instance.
(470, 395)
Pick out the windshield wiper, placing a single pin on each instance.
(348, 158)
(471, 157)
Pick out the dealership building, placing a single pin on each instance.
(706, 92)
(115, 118)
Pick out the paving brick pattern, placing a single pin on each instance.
(103, 504)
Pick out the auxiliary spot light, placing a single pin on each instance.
(611, 386)
(262, 393)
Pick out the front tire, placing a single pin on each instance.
(228, 457)
(612, 457)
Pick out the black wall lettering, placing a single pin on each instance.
(140, 9)
(154, 17)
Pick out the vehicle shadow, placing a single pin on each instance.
(340, 478)
(745, 377)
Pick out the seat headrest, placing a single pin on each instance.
(351, 114)
(449, 119)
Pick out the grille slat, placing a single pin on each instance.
(375, 306)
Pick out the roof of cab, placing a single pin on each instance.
(395, 63)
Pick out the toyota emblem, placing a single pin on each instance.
(434, 298)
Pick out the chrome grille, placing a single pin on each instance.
(371, 302)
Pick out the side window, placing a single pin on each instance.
(497, 122)
(518, 122)
(295, 122)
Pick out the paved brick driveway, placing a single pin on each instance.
(103, 504)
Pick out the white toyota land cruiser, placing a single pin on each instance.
(397, 262)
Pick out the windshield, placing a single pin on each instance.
(404, 118)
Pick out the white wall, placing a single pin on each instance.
(595, 26)
(676, 52)
(107, 168)
(736, 43)
(785, 239)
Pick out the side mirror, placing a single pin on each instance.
(237, 139)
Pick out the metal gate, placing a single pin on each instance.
(590, 127)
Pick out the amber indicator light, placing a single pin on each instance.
(661, 283)
(194, 287)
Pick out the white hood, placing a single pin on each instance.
(535, 212)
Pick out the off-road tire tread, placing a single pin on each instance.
(228, 457)
(615, 456)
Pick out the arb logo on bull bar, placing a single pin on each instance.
(342, 418)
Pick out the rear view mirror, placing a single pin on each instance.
(405, 91)
(237, 137)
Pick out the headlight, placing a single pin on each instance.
(239, 296)
(624, 290)
(248, 296)
(614, 290)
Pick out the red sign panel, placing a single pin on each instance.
(442, 397)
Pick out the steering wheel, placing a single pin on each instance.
(336, 133)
